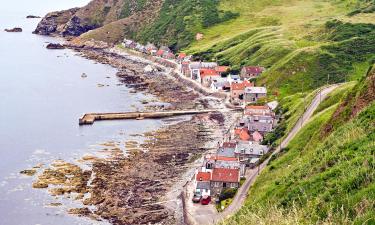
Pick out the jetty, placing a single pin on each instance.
(90, 118)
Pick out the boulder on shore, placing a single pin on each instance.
(55, 46)
(32, 17)
(16, 29)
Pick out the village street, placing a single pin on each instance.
(204, 215)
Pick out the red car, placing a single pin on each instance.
(206, 200)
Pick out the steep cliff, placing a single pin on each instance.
(99, 14)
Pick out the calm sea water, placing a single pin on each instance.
(42, 95)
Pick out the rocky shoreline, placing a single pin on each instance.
(127, 189)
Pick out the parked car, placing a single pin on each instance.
(206, 200)
(197, 197)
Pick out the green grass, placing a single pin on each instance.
(224, 204)
(336, 96)
(324, 176)
(298, 41)
(315, 181)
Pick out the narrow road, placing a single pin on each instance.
(241, 196)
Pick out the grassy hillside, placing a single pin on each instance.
(323, 176)
(180, 20)
(309, 42)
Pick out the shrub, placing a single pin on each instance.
(227, 193)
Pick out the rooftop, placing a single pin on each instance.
(203, 176)
(251, 148)
(253, 69)
(256, 90)
(208, 72)
(241, 86)
(222, 69)
(226, 175)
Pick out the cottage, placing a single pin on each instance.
(160, 53)
(220, 84)
(232, 78)
(250, 72)
(129, 44)
(185, 68)
(208, 65)
(206, 76)
(242, 134)
(256, 137)
(181, 56)
(262, 127)
(224, 178)
(262, 119)
(247, 149)
(151, 47)
(195, 68)
(227, 149)
(202, 183)
(231, 163)
(222, 69)
(258, 110)
(237, 91)
(168, 55)
(203, 188)
(140, 48)
(252, 94)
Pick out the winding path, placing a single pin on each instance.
(212, 217)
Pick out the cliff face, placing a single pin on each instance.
(96, 14)
(165, 22)
(54, 22)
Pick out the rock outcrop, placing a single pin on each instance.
(107, 20)
(76, 27)
(16, 29)
(55, 46)
(54, 23)
(32, 17)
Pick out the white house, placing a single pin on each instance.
(233, 78)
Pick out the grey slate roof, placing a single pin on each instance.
(227, 152)
(250, 148)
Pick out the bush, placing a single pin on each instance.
(227, 193)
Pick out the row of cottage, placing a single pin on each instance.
(210, 74)
(243, 150)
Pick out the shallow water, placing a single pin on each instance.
(42, 95)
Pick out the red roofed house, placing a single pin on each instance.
(224, 178)
(181, 56)
(222, 69)
(257, 137)
(203, 176)
(203, 183)
(237, 91)
(206, 75)
(242, 134)
(249, 72)
(160, 53)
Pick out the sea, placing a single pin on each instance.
(42, 96)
